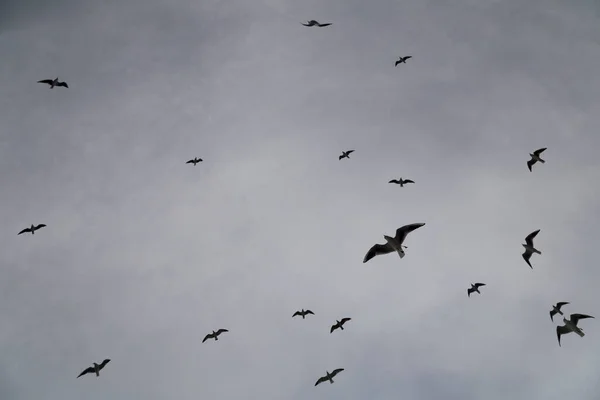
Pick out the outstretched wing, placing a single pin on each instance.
(539, 151)
(576, 317)
(209, 336)
(526, 257)
(529, 238)
(333, 328)
(221, 331)
(397, 62)
(377, 250)
(63, 84)
(469, 291)
(394, 181)
(561, 303)
(344, 320)
(405, 230)
(297, 313)
(407, 57)
(321, 379)
(323, 25)
(309, 312)
(39, 226)
(530, 164)
(104, 363)
(88, 370)
(408, 181)
(46, 81)
(350, 152)
(24, 230)
(561, 330)
(336, 371)
(552, 313)
(190, 162)
(477, 285)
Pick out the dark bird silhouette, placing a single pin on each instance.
(571, 326)
(402, 60)
(194, 161)
(529, 249)
(32, 229)
(54, 82)
(329, 376)
(303, 313)
(346, 154)
(401, 182)
(393, 243)
(95, 368)
(556, 309)
(474, 288)
(214, 335)
(312, 22)
(535, 157)
(339, 324)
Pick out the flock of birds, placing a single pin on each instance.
(393, 244)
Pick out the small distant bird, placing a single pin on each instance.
(571, 326)
(346, 154)
(401, 182)
(529, 249)
(474, 288)
(556, 309)
(214, 335)
(32, 229)
(329, 376)
(535, 157)
(312, 22)
(303, 313)
(393, 244)
(402, 60)
(54, 82)
(339, 324)
(95, 368)
(194, 161)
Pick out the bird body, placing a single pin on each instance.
(402, 60)
(54, 82)
(339, 324)
(529, 248)
(214, 335)
(96, 368)
(32, 229)
(303, 313)
(393, 244)
(474, 288)
(570, 325)
(329, 376)
(194, 161)
(401, 181)
(535, 157)
(556, 309)
(312, 22)
(346, 154)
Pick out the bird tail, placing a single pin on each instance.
(537, 251)
(400, 253)
(580, 333)
(542, 161)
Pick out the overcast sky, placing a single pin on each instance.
(144, 255)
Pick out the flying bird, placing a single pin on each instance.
(535, 157)
(194, 161)
(32, 229)
(95, 368)
(214, 335)
(474, 288)
(393, 244)
(312, 22)
(402, 60)
(346, 154)
(339, 324)
(54, 82)
(329, 376)
(303, 313)
(571, 326)
(556, 309)
(529, 249)
(401, 182)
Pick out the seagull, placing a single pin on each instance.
(32, 229)
(401, 182)
(96, 368)
(474, 288)
(402, 60)
(529, 249)
(54, 82)
(214, 335)
(329, 376)
(535, 157)
(556, 309)
(339, 324)
(303, 313)
(194, 161)
(346, 154)
(393, 244)
(571, 326)
(312, 22)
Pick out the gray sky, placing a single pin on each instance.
(143, 255)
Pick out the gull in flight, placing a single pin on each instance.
(571, 326)
(329, 376)
(54, 82)
(401, 182)
(312, 22)
(535, 157)
(339, 324)
(474, 288)
(214, 335)
(32, 229)
(393, 244)
(346, 154)
(95, 368)
(529, 249)
(402, 60)
(194, 161)
(303, 313)
(556, 309)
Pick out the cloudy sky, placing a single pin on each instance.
(143, 255)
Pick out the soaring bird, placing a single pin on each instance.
(194, 161)
(54, 82)
(402, 60)
(312, 22)
(474, 288)
(529, 249)
(339, 324)
(32, 229)
(535, 157)
(393, 244)
(556, 309)
(401, 182)
(329, 376)
(346, 154)
(214, 335)
(571, 326)
(95, 368)
(303, 313)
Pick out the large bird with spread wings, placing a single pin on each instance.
(214, 335)
(571, 326)
(54, 82)
(32, 229)
(393, 243)
(535, 157)
(329, 376)
(303, 313)
(312, 22)
(95, 368)
(529, 249)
